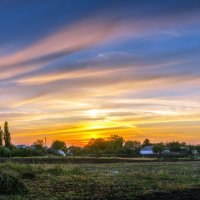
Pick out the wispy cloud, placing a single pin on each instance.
(136, 64)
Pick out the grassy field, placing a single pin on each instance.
(148, 180)
(81, 160)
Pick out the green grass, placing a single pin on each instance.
(101, 181)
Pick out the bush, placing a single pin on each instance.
(27, 152)
(5, 152)
(22, 152)
(11, 185)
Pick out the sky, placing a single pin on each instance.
(74, 70)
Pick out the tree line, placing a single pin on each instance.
(113, 145)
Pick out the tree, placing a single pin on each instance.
(59, 145)
(74, 150)
(146, 142)
(115, 143)
(131, 144)
(131, 147)
(5, 152)
(175, 146)
(158, 148)
(39, 144)
(7, 138)
(98, 144)
(1, 137)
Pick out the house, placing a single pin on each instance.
(22, 146)
(166, 151)
(61, 153)
(148, 150)
(194, 152)
(33, 147)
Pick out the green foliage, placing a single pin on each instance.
(131, 148)
(158, 148)
(7, 137)
(1, 137)
(75, 150)
(175, 146)
(59, 145)
(57, 170)
(28, 174)
(39, 143)
(5, 152)
(100, 181)
(76, 171)
(113, 144)
(11, 185)
(26, 152)
(96, 145)
(132, 144)
(146, 142)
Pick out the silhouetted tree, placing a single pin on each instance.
(158, 148)
(131, 147)
(131, 144)
(175, 146)
(146, 142)
(75, 150)
(39, 145)
(59, 145)
(115, 143)
(7, 138)
(98, 144)
(1, 137)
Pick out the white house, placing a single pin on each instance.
(148, 150)
(61, 152)
(166, 151)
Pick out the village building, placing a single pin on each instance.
(148, 150)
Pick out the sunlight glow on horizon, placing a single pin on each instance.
(74, 70)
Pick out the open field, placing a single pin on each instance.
(138, 180)
(82, 160)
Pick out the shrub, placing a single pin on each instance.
(22, 152)
(5, 152)
(11, 185)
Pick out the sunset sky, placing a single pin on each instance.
(76, 69)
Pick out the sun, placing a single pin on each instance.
(92, 113)
(93, 136)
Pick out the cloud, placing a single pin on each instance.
(89, 32)
(135, 61)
